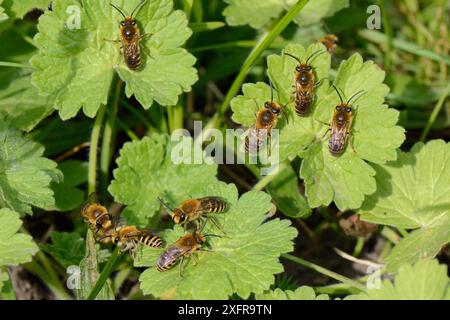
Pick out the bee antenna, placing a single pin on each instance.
(165, 205)
(118, 9)
(137, 7)
(271, 90)
(212, 235)
(340, 97)
(315, 54)
(290, 55)
(359, 92)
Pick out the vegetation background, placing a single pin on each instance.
(373, 223)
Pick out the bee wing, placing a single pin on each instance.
(338, 136)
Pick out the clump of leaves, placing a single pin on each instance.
(20, 159)
(148, 169)
(259, 13)
(425, 280)
(67, 248)
(74, 59)
(301, 293)
(243, 260)
(344, 179)
(414, 193)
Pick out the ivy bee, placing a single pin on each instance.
(304, 84)
(341, 124)
(130, 37)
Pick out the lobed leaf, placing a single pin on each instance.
(425, 280)
(25, 175)
(301, 293)
(414, 193)
(15, 248)
(73, 60)
(147, 170)
(259, 13)
(243, 260)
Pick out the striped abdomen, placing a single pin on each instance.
(213, 204)
(151, 241)
(132, 53)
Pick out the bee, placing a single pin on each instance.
(184, 247)
(96, 215)
(130, 37)
(341, 125)
(330, 42)
(304, 84)
(266, 120)
(129, 237)
(197, 209)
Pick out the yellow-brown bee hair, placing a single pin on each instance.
(130, 37)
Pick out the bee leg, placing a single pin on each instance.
(146, 51)
(148, 34)
(181, 263)
(195, 259)
(318, 83)
(217, 224)
(350, 141)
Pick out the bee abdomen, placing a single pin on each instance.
(151, 241)
(218, 205)
(134, 63)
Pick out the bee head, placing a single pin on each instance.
(344, 108)
(303, 68)
(179, 216)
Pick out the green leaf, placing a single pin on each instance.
(301, 293)
(414, 193)
(15, 248)
(25, 175)
(19, 99)
(258, 13)
(71, 60)
(242, 261)
(67, 248)
(344, 179)
(425, 280)
(67, 195)
(146, 171)
(285, 191)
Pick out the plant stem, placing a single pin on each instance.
(324, 271)
(109, 267)
(109, 135)
(254, 55)
(390, 234)
(14, 65)
(175, 116)
(95, 135)
(358, 247)
(437, 108)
